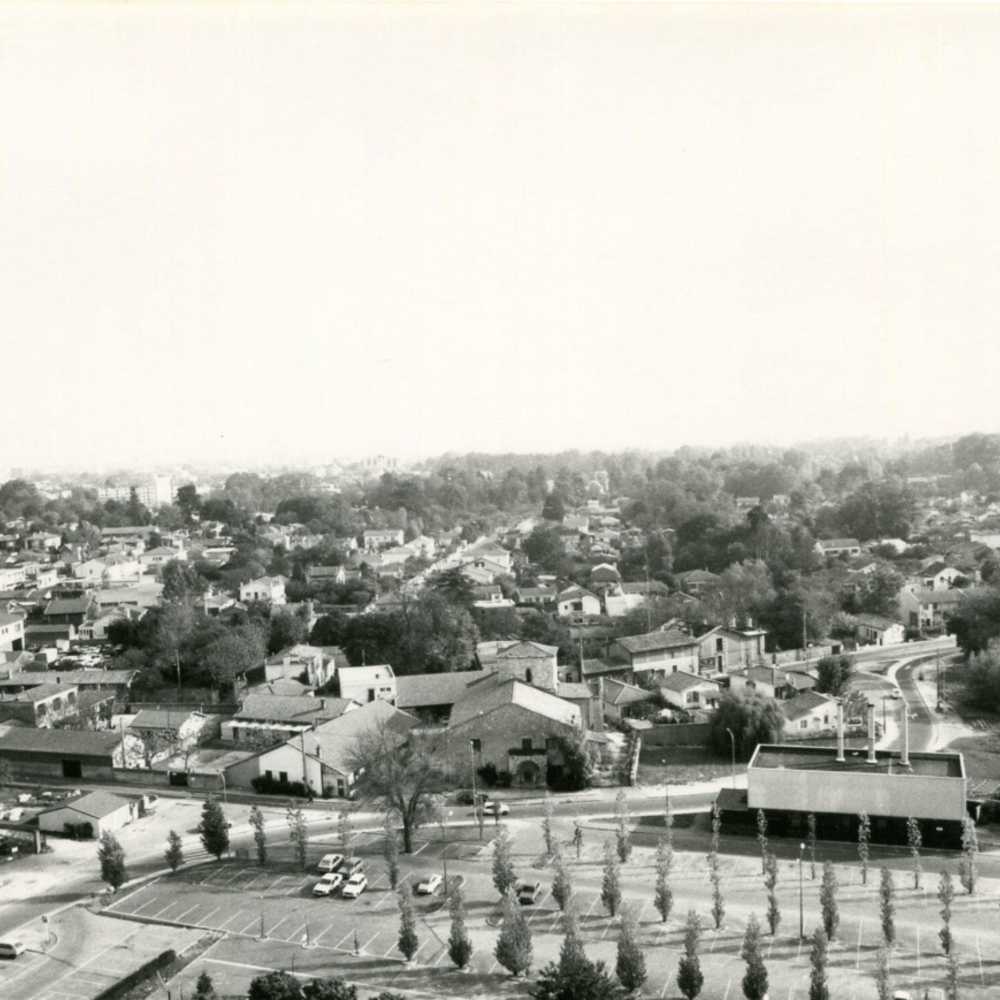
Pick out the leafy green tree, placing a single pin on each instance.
(111, 856)
(513, 948)
(753, 719)
(204, 988)
(390, 851)
(454, 586)
(864, 839)
(274, 986)
(259, 836)
(330, 989)
(762, 839)
(819, 986)
(834, 674)
(828, 901)
(887, 905)
(547, 818)
(554, 509)
(298, 832)
(946, 896)
(880, 591)
(755, 978)
(975, 623)
(970, 848)
(690, 978)
(951, 976)
(771, 885)
(286, 629)
(575, 977)
(562, 886)
(663, 897)
(232, 655)
(578, 762)
(545, 548)
(611, 882)
(623, 835)
(174, 854)
(882, 984)
(714, 872)
(914, 842)
(181, 582)
(630, 965)
(459, 945)
(504, 877)
(214, 829)
(408, 943)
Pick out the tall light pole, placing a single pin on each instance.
(444, 851)
(475, 799)
(802, 848)
(732, 741)
(225, 804)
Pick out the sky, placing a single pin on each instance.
(254, 231)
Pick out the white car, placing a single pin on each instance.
(429, 885)
(495, 808)
(326, 886)
(354, 886)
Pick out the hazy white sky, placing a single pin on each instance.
(238, 229)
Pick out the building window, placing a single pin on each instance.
(477, 746)
(269, 775)
(804, 724)
(526, 743)
(282, 776)
(718, 645)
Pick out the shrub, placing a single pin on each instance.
(273, 786)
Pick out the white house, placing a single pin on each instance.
(575, 602)
(874, 630)
(808, 714)
(11, 633)
(688, 691)
(662, 652)
(270, 589)
(364, 684)
(838, 547)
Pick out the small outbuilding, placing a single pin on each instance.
(91, 815)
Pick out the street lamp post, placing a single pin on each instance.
(732, 741)
(444, 851)
(225, 805)
(802, 848)
(475, 798)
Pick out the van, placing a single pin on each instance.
(528, 893)
(352, 866)
(11, 949)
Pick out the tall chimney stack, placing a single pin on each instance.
(872, 759)
(840, 732)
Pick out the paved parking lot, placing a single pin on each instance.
(272, 911)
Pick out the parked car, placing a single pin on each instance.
(429, 885)
(352, 866)
(354, 886)
(493, 808)
(328, 884)
(528, 893)
(11, 949)
(330, 862)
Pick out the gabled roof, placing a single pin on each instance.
(61, 741)
(69, 606)
(698, 576)
(6, 619)
(526, 650)
(940, 596)
(335, 743)
(299, 710)
(643, 588)
(598, 667)
(158, 718)
(574, 691)
(936, 567)
(424, 690)
(839, 543)
(490, 695)
(40, 692)
(805, 704)
(571, 592)
(620, 693)
(680, 681)
(96, 805)
(653, 641)
(876, 621)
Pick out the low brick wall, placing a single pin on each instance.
(687, 734)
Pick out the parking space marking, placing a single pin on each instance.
(364, 947)
(340, 943)
(256, 922)
(235, 916)
(186, 912)
(271, 933)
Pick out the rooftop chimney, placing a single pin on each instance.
(872, 759)
(840, 732)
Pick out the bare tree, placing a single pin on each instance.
(399, 772)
